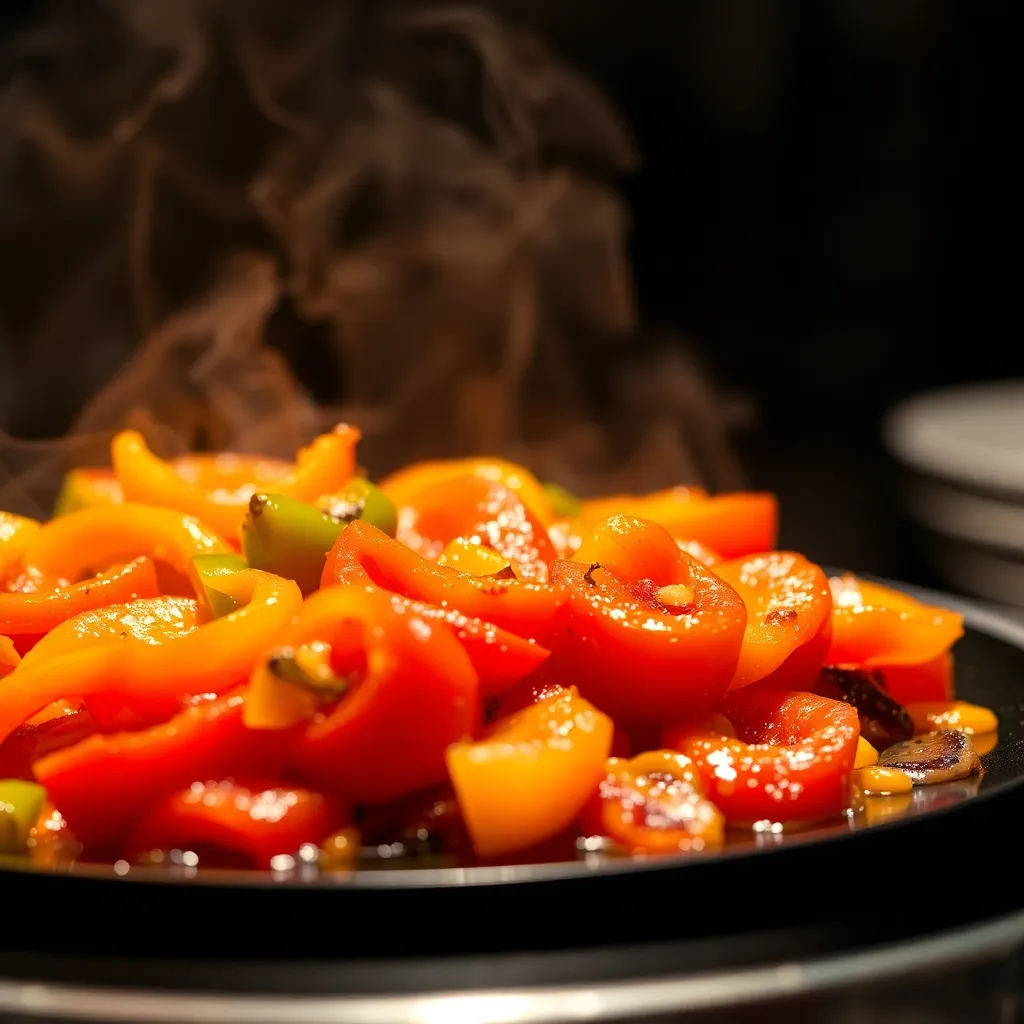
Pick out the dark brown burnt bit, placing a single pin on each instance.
(942, 756)
(508, 573)
(285, 664)
(589, 574)
(344, 511)
(256, 505)
(883, 721)
(780, 617)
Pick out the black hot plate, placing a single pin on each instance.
(831, 893)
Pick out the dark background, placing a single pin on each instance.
(825, 202)
(824, 205)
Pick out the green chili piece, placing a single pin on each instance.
(20, 804)
(289, 538)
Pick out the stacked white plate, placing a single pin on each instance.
(962, 455)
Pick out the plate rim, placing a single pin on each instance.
(913, 438)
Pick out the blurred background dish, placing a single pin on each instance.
(961, 456)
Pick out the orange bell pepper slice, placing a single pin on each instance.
(151, 680)
(733, 525)
(654, 804)
(150, 620)
(791, 759)
(15, 533)
(363, 554)
(255, 821)
(411, 691)
(873, 625)
(567, 539)
(87, 488)
(789, 607)
(531, 774)
(402, 486)
(484, 512)
(103, 784)
(71, 546)
(37, 612)
(217, 491)
(656, 637)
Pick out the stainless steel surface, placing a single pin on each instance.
(613, 1002)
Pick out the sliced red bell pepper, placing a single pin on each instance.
(363, 554)
(37, 612)
(654, 804)
(30, 742)
(486, 511)
(791, 760)
(912, 684)
(104, 784)
(499, 658)
(257, 821)
(789, 607)
(411, 692)
(635, 652)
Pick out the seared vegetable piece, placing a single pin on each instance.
(20, 804)
(289, 538)
(883, 721)
(206, 570)
(359, 499)
(942, 756)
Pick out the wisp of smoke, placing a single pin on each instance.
(402, 215)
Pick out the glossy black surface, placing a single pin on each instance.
(810, 894)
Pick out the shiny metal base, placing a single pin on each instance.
(715, 996)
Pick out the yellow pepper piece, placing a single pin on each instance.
(212, 657)
(403, 486)
(92, 539)
(971, 719)
(530, 777)
(474, 559)
(319, 469)
(875, 780)
(272, 703)
(15, 533)
(866, 754)
(985, 742)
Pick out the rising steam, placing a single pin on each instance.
(410, 207)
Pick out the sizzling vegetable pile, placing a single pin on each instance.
(233, 660)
